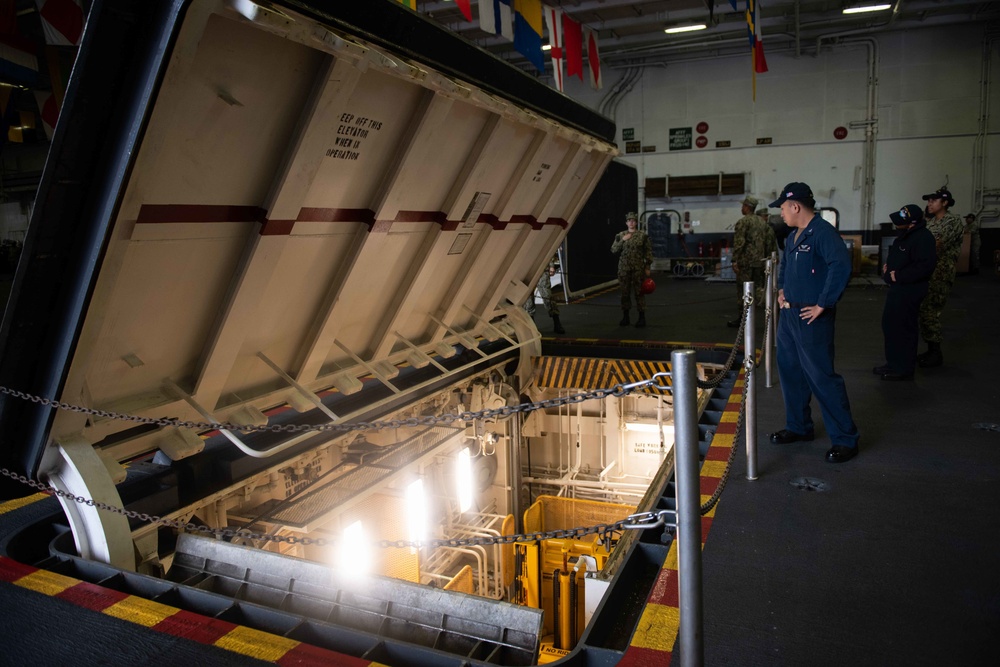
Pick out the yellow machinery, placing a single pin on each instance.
(549, 574)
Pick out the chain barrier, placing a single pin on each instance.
(636, 521)
(768, 310)
(750, 366)
(728, 366)
(711, 502)
(657, 382)
(639, 521)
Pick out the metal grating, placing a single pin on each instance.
(461, 582)
(552, 513)
(388, 514)
(314, 502)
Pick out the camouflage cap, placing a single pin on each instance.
(750, 201)
(631, 216)
(762, 211)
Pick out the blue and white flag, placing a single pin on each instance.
(497, 17)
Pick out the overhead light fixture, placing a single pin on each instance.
(416, 510)
(685, 28)
(354, 557)
(866, 8)
(463, 475)
(546, 47)
(641, 427)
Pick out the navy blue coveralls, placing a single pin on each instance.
(814, 272)
(912, 256)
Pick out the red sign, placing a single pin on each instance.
(701, 142)
(840, 132)
(702, 127)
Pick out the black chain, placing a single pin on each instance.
(430, 420)
(711, 502)
(751, 367)
(640, 521)
(728, 366)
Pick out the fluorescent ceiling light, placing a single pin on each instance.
(866, 8)
(685, 28)
(464, 478)
(416, 510)
(546, 47)
(642, 427)
(355, 557)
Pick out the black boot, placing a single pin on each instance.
(932, 358)
(624, 322)
(642, 320)
(556, 325)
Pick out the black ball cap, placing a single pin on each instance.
(793, 192)
(941, 194)
(907, 215)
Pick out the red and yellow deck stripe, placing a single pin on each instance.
(172, 621)
(652, 642)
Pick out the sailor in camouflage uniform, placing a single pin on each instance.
(753, 243)
(634, 262)
(947, 229)
(770, 248)
(544, 290)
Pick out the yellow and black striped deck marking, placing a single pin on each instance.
(581, 373)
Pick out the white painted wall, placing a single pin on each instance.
(928, 109)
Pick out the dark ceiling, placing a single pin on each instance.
(632, 31)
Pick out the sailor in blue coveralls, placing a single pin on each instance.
(813, 275)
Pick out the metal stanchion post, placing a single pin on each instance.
(769, 338)
(774, 311)
(749, 359)
(686, 455)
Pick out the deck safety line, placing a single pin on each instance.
(656, 632)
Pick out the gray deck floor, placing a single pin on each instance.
(896, 561)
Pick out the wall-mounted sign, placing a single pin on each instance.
(680, 138)
(649, 149)
(723, 144)
(701, 142)
(628, 133)
(763, 140)
(632, 146)
(840, 133)
(702, 127)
